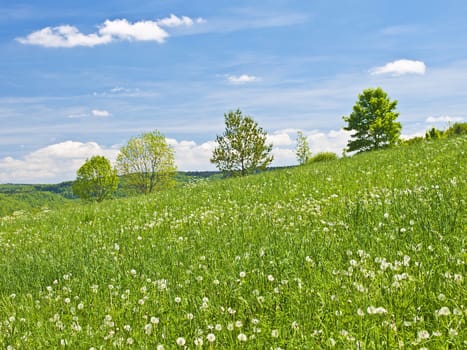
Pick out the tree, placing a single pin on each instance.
(243, 148)
(96, 179)
(147, 162)
(373, 120)
(302, 151)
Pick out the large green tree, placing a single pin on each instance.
(373, 121)
(243, 148)
(96, 179)
(147, 162)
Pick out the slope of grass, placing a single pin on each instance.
(366, 252)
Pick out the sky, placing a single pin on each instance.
(80, 78)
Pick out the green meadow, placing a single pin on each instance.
(364, 252)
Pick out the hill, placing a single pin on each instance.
(364, 252)
(33, 198)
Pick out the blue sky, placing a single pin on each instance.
(81, 77)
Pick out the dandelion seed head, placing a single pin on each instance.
(444, 311)
(242, 337)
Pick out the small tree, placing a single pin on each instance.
(96, 179)
(147, 161)
(373, 120)
(243, 147)
(302, 151)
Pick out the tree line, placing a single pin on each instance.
(148, 162)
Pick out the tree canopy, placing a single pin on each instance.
(147, 162)
(373, 122)
(96, 179)
(242, 149)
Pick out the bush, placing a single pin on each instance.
(456, 130)
(323, 157)
(434, 134)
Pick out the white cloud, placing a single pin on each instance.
(174, 21)
(139, 31)
(400, 67)
(51, 164)
(100, 113)
(332, 141)
(111, 30)
(64, 36)
(444, 119)
(281, 138)
(190, 156)
(241, 79)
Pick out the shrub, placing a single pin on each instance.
(456, 129)
(323, 157)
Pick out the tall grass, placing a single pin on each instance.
(366, 252)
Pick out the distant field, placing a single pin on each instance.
(367, 252)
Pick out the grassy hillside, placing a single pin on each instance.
(33, 198)
(366, 252)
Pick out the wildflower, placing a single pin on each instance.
(127, 327)
(130, 341)
(198, 341)
(242, 274)
(242, 337)
(270, 278)
(160, 347)
(371, 310)
(452, 332)
(218, 327)
(211, 337)
(181, 341)
(76, 327)
(148, 329)
(80, 306)
(274, 333)
(295, 325)
(238, 324)
(444, 311)
(423, 335)
(178, 299)
(154, 320)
